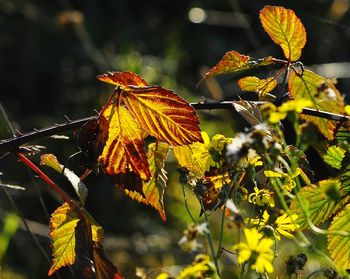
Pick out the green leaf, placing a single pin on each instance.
(62, 233)
(334, 156)
(339, 238)
(323, 95)
(319, 201)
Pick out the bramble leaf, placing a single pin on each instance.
(160, 112)
(323, 95)
(233, 62)
(334, 156)
(153, 190)
(339, 244)
(124, 149)
(285, 29)
(62, 233)
(319, 202)
(257, 85)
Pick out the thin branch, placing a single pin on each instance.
(13, 144)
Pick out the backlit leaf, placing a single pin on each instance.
(62, 233)
(319, 201)
(124, 149)
(233, 62)
(160, 112)
(257, 85)
(339, 244)
(334, 156)
(323, 95)
(285, 29)
(123, 79)
(163, 115)
(153, 190)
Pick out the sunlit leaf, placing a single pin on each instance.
(153, 190)
(233, 62)
(319, 202)
(160, 112)
(334, 156)
(124, 149)
(323, 95)
(62, 233)
(123, 79)
(257, 85)
(285, 29)
(339, 238)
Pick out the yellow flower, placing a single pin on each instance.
(279, 113)
(282, 226)
(262, 197)
(208, 154)
(288, 179)
(257, 250)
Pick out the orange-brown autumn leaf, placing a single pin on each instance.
(257, 85)
(123, 79)
(323, 95)
(124, 149)
(62, 233)
(152, 191)
(233, 62)
(160, 112)
(285, 29)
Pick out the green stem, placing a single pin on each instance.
(186, 204)
(209, 238)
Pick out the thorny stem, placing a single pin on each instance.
(44, 177)
(13, 144)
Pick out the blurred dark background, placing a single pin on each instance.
(50, 54)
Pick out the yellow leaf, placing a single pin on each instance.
(62, 233)
(322, 94)
(257, 85)
(124, 148)
(160, 112)
(153, 190)
(233, 61)
(285, 29)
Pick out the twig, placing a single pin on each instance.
(12, 144)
